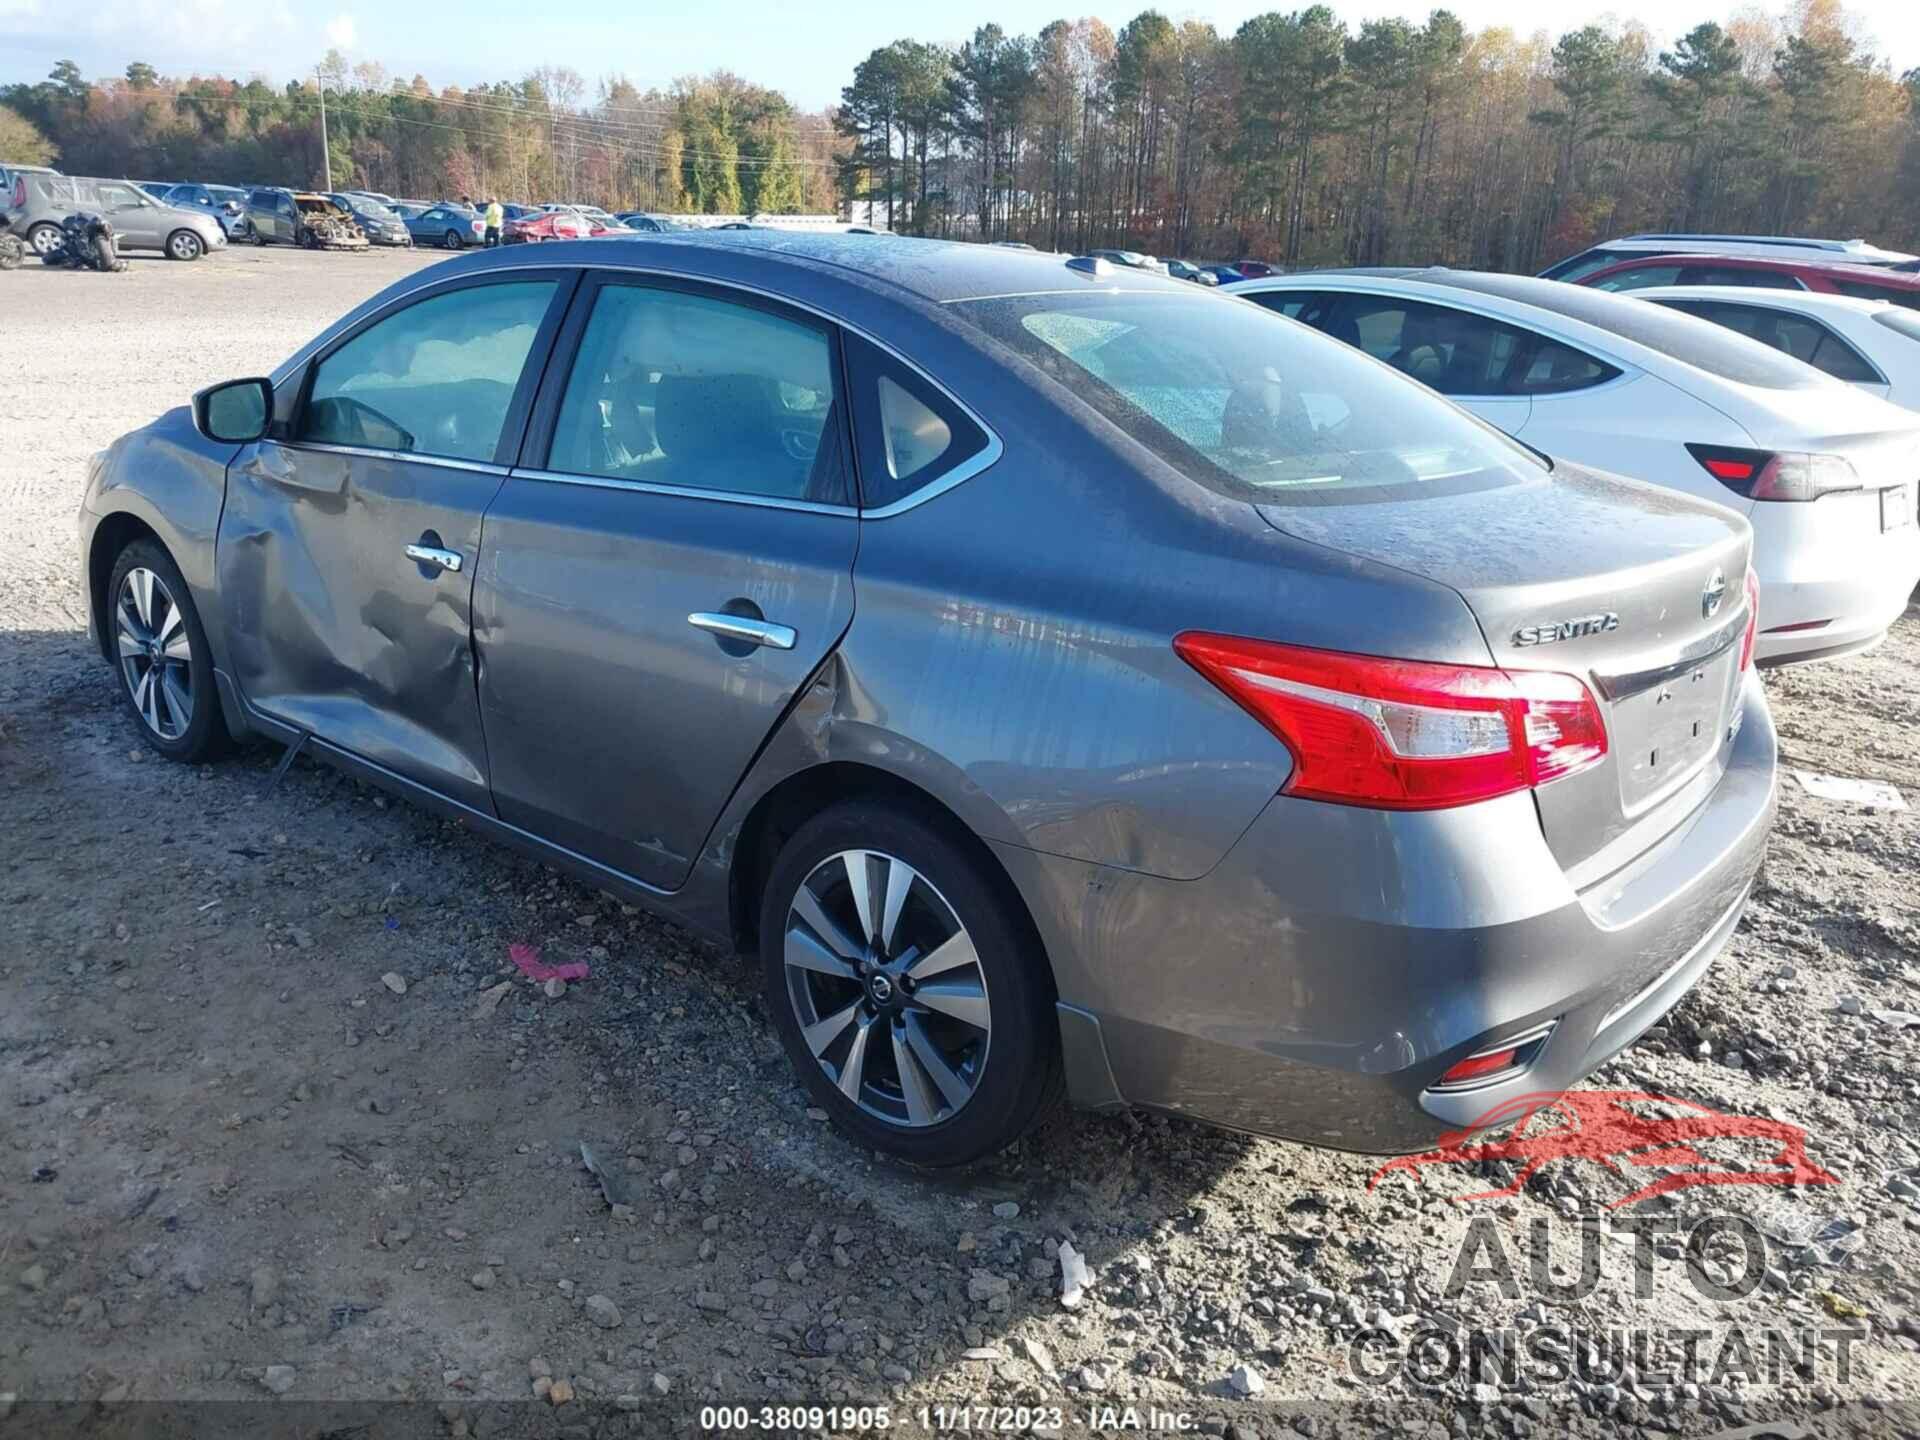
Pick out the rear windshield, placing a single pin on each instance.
(1901, 322)
(1685, 338)
(1252, 403)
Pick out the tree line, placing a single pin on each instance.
(1302, 141)
(1297, 139)
(715, 144)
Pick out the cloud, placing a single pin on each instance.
(341, 32)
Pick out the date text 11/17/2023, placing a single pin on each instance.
(948, 1419)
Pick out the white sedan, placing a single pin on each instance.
(1825, 473)
(1872, 344)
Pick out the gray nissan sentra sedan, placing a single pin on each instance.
(1058, 676)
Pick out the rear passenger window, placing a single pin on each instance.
(1732, 275)
(910, 435)
(437, 378)
(1461, 353)
(1309, 307)
(683, 390)
(1640, 277)
(1806, 340)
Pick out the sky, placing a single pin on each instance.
(791, 47)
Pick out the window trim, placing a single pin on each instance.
(514, 428)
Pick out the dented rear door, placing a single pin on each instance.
(350, 540)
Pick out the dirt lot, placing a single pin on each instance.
(235, 1164)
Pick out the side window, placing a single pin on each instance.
(910, 434)
(1806, 340)
(1731, 275)
(1842, 361)
(1454, 351)
(678, 389)
(260, 199)
(1309, 307)
(1863, 291)
(116, 197)
(1640, 277)
(437, 378)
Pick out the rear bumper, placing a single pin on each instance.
(1831, 583)
(1317, 983)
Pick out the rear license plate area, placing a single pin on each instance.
(1896, 508)
(1665, 732)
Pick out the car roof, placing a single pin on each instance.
(1811, 301)
(1778, 265)
(937, 272)
(1678, 243)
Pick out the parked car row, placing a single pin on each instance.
(39, 202)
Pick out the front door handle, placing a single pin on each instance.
(741, 627)
(434, 555)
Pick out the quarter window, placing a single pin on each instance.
(911, 435)
(437, 378)
(684, 390)
(1863, 291)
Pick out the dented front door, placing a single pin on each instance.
(350, 539)
(337, 628)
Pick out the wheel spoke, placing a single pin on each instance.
(853, 1070)
(130, 617)
(806, 953)
(951, 1084)
(170, 629)
(143, 699)
(130, 646)
(860, 882)
(922, 1104)
(962, 999)
(179, 705)
(143, 596)
(822, 925)
(823, 1033)
(956, 951)
(180, 648)
(900, 878)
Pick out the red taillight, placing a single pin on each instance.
(1404, 734)
(1753, 618)
(19, 192)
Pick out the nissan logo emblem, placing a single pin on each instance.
(1713, 594)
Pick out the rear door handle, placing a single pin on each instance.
(433, 555)
(740, 627)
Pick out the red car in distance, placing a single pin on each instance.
(544, 225)
(1863, 282)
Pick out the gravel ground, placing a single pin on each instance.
(282, 1123)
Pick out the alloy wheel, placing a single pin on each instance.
(888, 990)
(452, 241)
(156, 655)
(184, 245)
(45, 239)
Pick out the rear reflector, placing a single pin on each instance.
(1404, 734)
(1733, 468)
(1479, 1067)
(1802, 625)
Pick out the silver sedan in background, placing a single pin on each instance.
(1055, 675)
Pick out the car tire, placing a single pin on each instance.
(185, 245)
(451, 241)
(161, 655)
(259, 237)
(934, 1082)
(44, 238)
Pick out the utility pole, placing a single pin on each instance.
(326, 153)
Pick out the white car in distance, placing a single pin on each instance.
(1825, 473)
(1873, 345)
